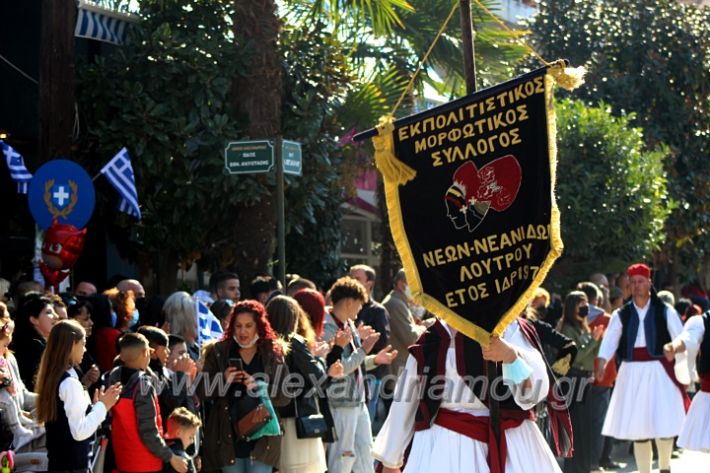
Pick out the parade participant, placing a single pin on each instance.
(647, 402)
(695, 338)
(440, 406)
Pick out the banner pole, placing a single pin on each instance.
(467, 34)
(469, 67)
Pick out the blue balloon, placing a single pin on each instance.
(61, 190)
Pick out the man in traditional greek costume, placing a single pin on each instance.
(439, 419)
(695, 338)
(647, 402)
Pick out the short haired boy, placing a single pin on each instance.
(182, 429)
(173, 383)
(136, 427)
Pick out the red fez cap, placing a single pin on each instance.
(639, 269)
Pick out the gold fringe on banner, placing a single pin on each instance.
(556, 246)
(393, 170)
(568, 78)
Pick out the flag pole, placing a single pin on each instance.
(469, 67)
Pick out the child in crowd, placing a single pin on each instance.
(63, 403)
(14, 397)
(136, 427)
(174, 383)
(182, 429)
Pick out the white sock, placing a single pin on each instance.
(665, 449)
(643, 453)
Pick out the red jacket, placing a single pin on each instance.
(127, 425)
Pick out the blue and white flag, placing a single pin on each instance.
(119, 172)
(16, 166)
(208, 325)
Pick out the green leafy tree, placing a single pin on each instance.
(316, 75)
(611, 191)
(165, 95)
(650, 57)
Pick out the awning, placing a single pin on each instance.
(102, 24)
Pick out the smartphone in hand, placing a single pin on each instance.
(236, 363)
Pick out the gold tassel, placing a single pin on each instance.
(567, 77)
(393, 170)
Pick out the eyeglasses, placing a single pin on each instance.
(6, 328)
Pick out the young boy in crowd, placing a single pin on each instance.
(136, 427)
(182, 429)
(173, 384)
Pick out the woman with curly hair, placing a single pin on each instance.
(250, 349)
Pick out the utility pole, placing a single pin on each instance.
(56, 79)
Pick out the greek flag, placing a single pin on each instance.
(119, 172)
(16, 166)
(208, 325)
(102, 24)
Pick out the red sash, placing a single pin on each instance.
(705, 383)
(642, 354)
(479, 428)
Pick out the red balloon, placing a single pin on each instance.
(61, 248)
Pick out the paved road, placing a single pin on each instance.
(689, 462)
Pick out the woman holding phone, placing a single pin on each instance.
(250, 350)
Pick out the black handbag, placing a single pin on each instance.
(310, 427)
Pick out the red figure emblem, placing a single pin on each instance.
(475, 191)
(61, 248)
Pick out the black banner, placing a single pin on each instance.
(469, 189)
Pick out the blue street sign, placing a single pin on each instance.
(61, 189)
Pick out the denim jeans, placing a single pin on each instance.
(247, 465)
(373, 387)
(352, 425)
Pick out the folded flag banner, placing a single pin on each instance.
(16, 166)
(208, 325)
(119, 172)
(470, 195)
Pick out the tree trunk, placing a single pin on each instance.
(56, 79)
(257, 94)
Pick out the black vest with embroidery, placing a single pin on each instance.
(704, 355)
(430, 352)
(655, 328)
